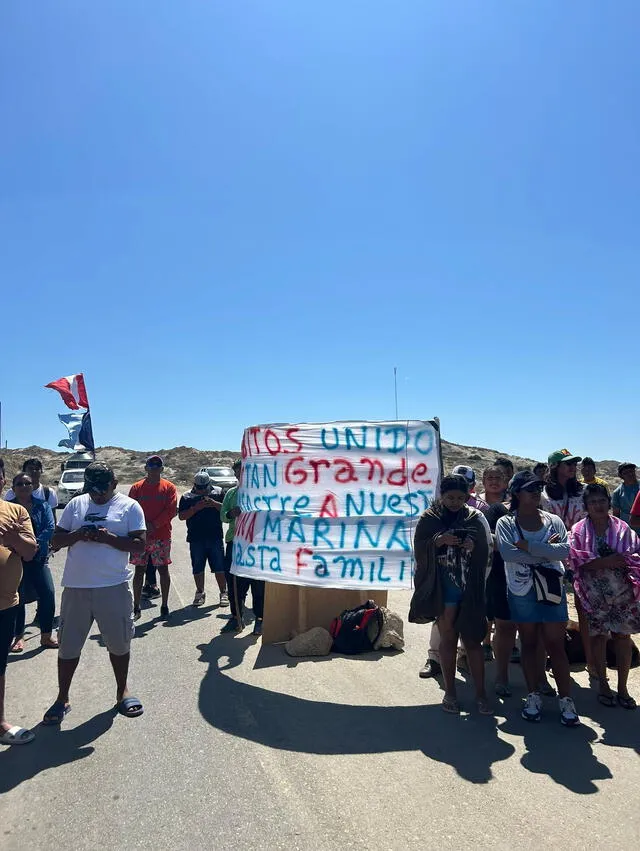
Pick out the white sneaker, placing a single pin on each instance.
(568, 715)
(224, 598)
(531, 707)
(199, 599)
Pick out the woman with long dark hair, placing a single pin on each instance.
(533, 544)
(562, 493)
(452, 555)
(562, 496)
(605, 556)
(36, 575)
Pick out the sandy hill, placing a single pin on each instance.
(182, 462)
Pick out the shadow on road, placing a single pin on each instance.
(567, 756)
(53, 747)
(187, 614)
(274, 656)
(470, 744)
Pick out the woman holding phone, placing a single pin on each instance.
(533, 544)
(452, 555)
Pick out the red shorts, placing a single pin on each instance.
(159, 551)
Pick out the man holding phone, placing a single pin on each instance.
(200, 508)
(100, 528)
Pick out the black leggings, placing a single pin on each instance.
(7, 628)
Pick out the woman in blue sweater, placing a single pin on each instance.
(36, 576)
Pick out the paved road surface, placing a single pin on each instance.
(241, 746)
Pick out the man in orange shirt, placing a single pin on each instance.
(159, 500)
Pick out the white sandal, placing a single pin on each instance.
(17, 736)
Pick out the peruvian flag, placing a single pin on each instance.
(72, 390)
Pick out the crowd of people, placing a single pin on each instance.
(507, 556)
(489, 567)
(105, 584)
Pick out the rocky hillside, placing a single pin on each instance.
(182, 462)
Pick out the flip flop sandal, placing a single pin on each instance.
(130, 707)
(55, 714)
(607, 699)
(17, 736)
(451, 705)
(627, 702)
(503, 690)
(17, 646)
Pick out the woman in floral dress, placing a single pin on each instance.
(605, 556)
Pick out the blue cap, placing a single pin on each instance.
(525, 480)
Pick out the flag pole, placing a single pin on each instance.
(395, 385)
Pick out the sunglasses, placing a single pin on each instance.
(154, 464)
(24, 484)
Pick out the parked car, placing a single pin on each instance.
(71, 483)
(77, 461)
(221, 477)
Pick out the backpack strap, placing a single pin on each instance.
(47, 492)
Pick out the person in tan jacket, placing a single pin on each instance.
(17, 542)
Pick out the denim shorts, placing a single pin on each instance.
(207, 551)
(527, 609)
(451, 593)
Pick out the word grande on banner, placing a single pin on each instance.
(334, 505)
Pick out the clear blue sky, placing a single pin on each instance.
(229, 213)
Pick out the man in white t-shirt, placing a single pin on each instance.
(33, 468)
(100, 528)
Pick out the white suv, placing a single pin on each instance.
(70, 484)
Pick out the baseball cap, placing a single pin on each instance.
(202, 480)
(561, 455)
(155, 460)
(97, 477)
(467, 472)
(525, 480)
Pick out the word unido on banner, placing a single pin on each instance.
(334, 504)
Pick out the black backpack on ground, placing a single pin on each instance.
(575, 650)
(357, 630)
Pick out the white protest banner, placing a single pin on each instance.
(334, 505)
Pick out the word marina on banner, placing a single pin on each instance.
(333, 504)
(353, 550)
